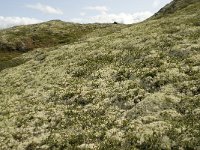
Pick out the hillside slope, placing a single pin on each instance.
(17, 40)
(47, 34)
(134, 89)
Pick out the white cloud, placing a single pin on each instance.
(13, 21)
(105, 16)
(125, 18)
(45, 9)
(156, 3)
(82, 13)
(101, 9)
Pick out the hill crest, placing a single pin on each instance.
(174, 6)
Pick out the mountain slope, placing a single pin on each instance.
(134, 89)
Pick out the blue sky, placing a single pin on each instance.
(84, 11)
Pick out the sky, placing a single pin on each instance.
(23, 12)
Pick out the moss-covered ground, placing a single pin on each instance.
(135, 88)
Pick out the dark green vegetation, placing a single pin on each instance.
(137, 88)
(7, 61)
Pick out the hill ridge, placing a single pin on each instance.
(173, 7)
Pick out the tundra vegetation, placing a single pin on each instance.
(116, 87)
